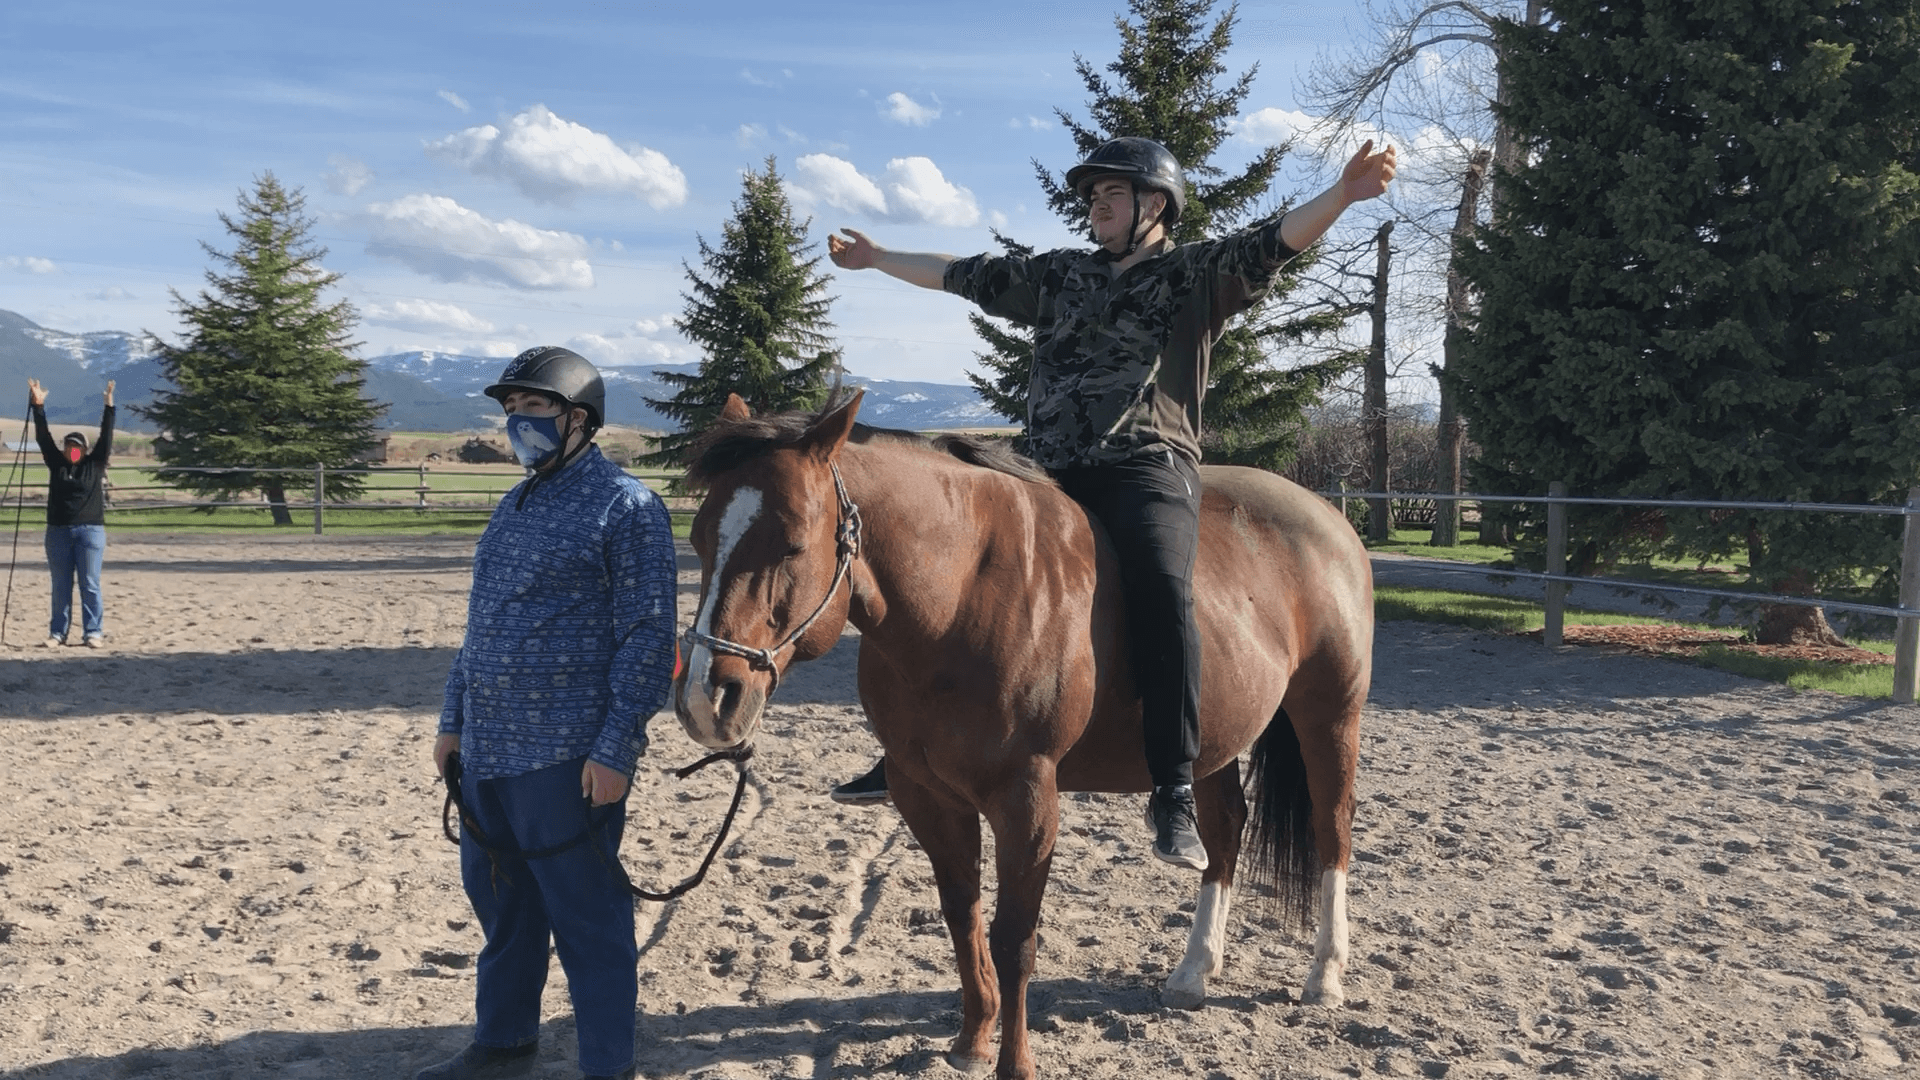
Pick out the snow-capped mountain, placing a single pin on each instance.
(425, 391)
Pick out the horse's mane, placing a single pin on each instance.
(728, 444)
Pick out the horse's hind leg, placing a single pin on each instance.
(1330, 752)
(951, 838)
(1222, 807)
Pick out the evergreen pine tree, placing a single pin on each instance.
(266, 375)
(1705, 278)
(1167, 89)
(759, 315)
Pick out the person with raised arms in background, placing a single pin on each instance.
(76, 519)
(1122, 339)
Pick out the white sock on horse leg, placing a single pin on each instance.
(1330, 946)
(1186, 986)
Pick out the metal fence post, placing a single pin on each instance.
(319, 497)
(1556, 563)
(1906, 642)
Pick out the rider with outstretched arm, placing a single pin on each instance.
(1123, 336)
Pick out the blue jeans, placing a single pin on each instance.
(75, 550)
(574, 898)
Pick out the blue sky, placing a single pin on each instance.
(489, 176)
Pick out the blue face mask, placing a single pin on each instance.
(536, 439)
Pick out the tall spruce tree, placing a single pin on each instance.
(759, 315)
(266, 377)
(1705, 278)
(1167, 88)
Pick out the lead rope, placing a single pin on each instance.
(18, 466)
(455, 807)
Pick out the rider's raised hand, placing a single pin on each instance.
(109, 393)
(36, 394)
(859, 253)
(1368, 174)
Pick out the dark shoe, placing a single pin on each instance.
(865, 791)
(478, 1062)
(1176, 833)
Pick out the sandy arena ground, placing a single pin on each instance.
(220, 856)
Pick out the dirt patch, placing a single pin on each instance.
(1688, 642)
(220, 857)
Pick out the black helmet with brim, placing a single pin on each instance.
(562, 373)
(1145, 162)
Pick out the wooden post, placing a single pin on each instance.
(1556, 564)
(422, 489)
(1906, 643)
(319, 497)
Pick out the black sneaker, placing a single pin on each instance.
(478, 1062)
(1176, 833)
(867, 790)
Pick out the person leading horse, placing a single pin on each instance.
(1123, 337)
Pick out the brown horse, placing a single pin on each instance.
(993, 668)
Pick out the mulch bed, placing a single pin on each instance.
(1687, 642)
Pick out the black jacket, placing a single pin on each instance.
(76, 493)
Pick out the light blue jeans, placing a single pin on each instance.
(76, 551)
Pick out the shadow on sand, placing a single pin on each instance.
(257, 681)
(762, 1038)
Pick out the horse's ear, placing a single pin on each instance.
(735, 409)
(830, 432)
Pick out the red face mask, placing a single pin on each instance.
(74, 454)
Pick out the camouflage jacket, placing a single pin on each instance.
(1120, 363)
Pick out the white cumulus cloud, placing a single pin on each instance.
(551, 159)
(29, 264)
(442, 239)
(643, 341)
(1271, 126)
(410, 314)
(911, 190)
(902, 109)
(348, 175)
(455, 100)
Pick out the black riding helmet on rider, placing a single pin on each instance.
(1144, 163)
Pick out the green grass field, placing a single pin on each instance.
(458, 500)
(1503, 615)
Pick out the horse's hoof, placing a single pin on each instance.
(1330, 996)
(1184, 993)
(971, 1065)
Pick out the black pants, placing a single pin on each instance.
(1150, 507)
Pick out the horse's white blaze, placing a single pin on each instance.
(743, 509)
(1206, 949)
(1330, 947)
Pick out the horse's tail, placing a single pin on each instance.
(1282, 852)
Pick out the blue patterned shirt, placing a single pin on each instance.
(570, 625)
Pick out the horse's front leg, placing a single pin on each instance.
(1025, 818)
(951, 838)
(1222, 810)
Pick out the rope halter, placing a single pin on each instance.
(847, 543)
